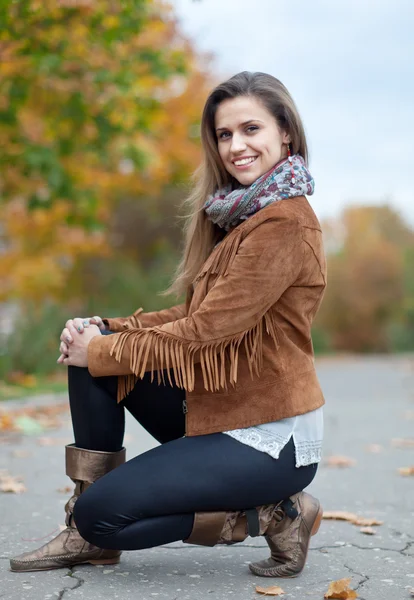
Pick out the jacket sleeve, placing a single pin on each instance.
(236, 309)
(140, 319)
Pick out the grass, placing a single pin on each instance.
(33, 386)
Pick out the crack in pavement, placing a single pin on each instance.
(319, 548)
(79, 583)
(364, 579)
(349, 544)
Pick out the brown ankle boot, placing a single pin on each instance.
(288, 536)
(287, 527)
(68, 548)
(211, 528)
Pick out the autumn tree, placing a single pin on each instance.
(366, 289)
(99, 101)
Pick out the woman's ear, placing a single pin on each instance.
(286, 138)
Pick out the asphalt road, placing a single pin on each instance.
(369, 404)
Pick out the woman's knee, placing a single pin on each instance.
(93, 520)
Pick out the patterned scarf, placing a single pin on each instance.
(228, 208)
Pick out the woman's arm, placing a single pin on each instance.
(268, 261)
(140, 319)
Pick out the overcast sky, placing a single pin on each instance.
(349, 65)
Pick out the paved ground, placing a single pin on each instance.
(370, 401)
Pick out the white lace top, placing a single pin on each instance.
(306, 429)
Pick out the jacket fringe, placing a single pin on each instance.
(135, 322)
(222, 256)
(154, 350)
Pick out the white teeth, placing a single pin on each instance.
(244, 161)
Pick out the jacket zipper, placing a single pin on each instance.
(185, 411)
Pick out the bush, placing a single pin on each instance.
(111, 287)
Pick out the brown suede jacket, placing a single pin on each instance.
(241, 345)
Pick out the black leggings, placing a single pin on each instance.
(151, 499)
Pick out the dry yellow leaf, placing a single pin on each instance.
(366, 522)
(6, 422)
(406, 471)
(340, 461)
(340, 515)
(273, 590)
(402, 443)
(368, 530)
(340, 590)
(374, 448)
(49, 441)
(11, 484)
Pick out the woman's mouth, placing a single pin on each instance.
(244, 163)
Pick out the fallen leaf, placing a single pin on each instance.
(367, 522)
(49, 441)
(368, 530)
(340, 590)
(405, 471)
(340, 461)
(23, 379)
(21, 453)
(64, 490)
(28, 425)
(6, 422)
(273, 590)
(11, 484)
(374, 448)
(402, 443)
(340, 515)
(33, 419)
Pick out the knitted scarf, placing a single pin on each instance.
(228, 208)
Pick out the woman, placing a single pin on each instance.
(226, 381)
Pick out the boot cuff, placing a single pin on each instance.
(90, 465)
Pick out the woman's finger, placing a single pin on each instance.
(78, 324)
(72, 331)
(60, 359)
(66, 361)
(64, 348)
(66, 337)
(97, 321)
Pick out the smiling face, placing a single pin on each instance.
(249, 140)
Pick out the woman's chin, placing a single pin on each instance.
(246, 178)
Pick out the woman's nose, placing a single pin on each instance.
(237, 144)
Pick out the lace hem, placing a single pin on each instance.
(271, 443)
(307, 452)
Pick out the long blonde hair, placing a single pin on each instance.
(200, 233)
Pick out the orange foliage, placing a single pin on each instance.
(99, 101)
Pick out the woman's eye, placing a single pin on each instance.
(250, 129)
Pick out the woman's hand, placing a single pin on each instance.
(75, 352)
(79, 325)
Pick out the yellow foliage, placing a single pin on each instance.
(42, 250)
(104, 111)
